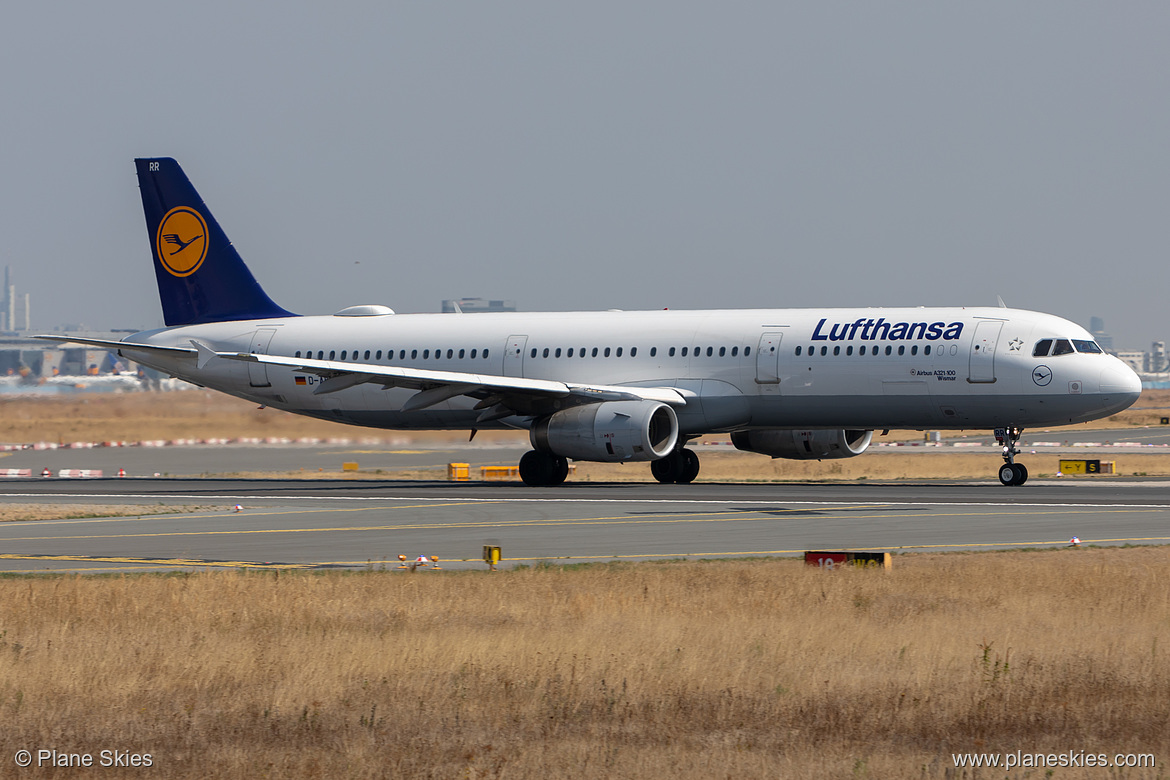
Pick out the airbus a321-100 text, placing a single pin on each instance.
(614, 386)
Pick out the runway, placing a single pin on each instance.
(354, 524)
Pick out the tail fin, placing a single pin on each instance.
(201, 277)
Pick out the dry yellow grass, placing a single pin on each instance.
(683, 670)
(15, 512)
(201, 414)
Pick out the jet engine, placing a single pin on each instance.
(609, 432)
(803, 445)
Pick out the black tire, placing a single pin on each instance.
(1021, 474)
(1007, 474)
(536, 468)
(560, 470)
(690, 467)
(667, 470)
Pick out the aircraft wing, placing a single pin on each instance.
(435, 386)
(499, 396)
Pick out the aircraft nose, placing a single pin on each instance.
(1120, 379)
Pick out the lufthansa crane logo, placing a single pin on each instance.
(181, 241)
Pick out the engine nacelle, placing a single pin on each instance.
(803, 445)
(609, 432)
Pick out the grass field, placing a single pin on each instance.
(202, 414)
(685, 670)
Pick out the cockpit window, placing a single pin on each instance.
(1042, 347)
(1087, 346)
(1063, 347)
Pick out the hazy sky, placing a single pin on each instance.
(601, 155)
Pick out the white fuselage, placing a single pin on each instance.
(911, 368)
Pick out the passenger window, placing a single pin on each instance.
(378, 355)
(485, 354)
(367, 357)
(901, 350)
(1063, 347)
(734, 351)
(653, 351)
(545, 353)
(558, 352)
(450, 353)
(722, 351)
(595, 352)
(461, 352)
(607, 351)
(1087, 346)
(332, 354)
(926, 350)
(426, 354)
(1042, 347)
(824, 351)
(914, 350)
(849, 350)
(862, 350)
(889, 350)
(619, 351)
(633, 352)
(710, 351)
(684, 351)
(836, 351)
(473, 354)
(320, 355)
(798, 351)
(298, 353)
(747, 351)
(671, 353)
(343, 354)
(413, 354)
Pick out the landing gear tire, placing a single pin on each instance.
(543, 469)
(690, 468)
(669, 469)
(1013, 474)
(680, 466)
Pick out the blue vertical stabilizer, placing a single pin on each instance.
(201, 277)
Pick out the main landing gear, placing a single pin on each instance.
(1011, 473)
(681, 466)
(543, 469)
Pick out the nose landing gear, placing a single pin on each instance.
(1011, 473)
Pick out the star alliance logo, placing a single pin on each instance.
(1015, 344)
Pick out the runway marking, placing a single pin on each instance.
(688, 555)
(599, 500)
(705, 517)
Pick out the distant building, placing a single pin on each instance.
(1135, 360)
(1156, 358)
(1097, 328)
(14, 310)
(476, 305)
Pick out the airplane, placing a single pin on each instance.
(614, 386)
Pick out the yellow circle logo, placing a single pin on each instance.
(181, 242)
